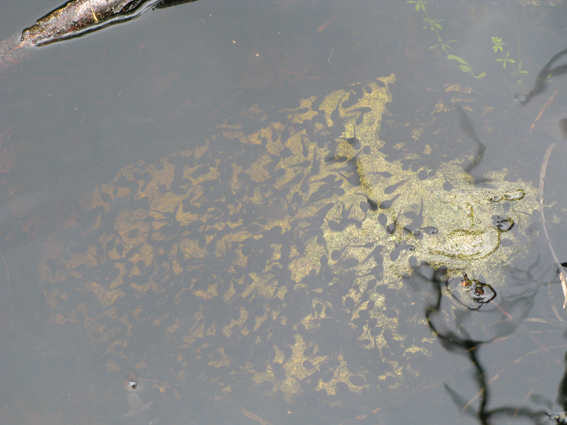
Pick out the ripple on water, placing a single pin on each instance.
(138, 409)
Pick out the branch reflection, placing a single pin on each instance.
(456, 337)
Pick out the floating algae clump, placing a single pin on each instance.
(270, 261)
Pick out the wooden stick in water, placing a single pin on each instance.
(562, 274)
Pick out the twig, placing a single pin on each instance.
(322, 27)
(254, 417)
(562, 274)
(542, 110)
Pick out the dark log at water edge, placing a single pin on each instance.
(74, 19)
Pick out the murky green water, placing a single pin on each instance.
(237, 305)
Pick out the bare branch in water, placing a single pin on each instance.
(543, 110)
(562, 274)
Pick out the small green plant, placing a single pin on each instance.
(505, 59)
(435, 26)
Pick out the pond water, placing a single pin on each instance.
(217, 213)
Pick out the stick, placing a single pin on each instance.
(542, 110)
(562, 274)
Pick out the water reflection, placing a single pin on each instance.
(457, 338)
(468, 127)
(544, 75)
(208, 322)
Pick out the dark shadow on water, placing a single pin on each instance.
(455, 338)
(545, 75)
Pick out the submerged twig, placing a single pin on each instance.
(562, 274)
(542, 110)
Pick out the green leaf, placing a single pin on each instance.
(497, 44)
(465, 68)
(419, 4)
(481, 75)
(433, 47)
(457, 58)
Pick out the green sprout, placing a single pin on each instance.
(419, 5)
(497, 44)
(435, 26)
(505, 59)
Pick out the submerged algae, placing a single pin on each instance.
(273, 261)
